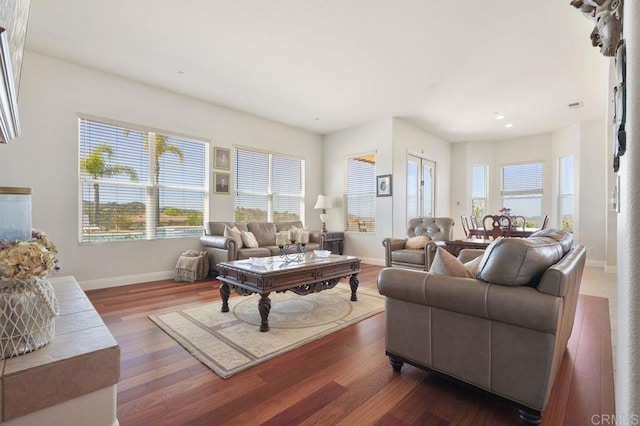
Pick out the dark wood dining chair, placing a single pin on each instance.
(496, 226)
(519, 222)
(465, 226)
(545, 222)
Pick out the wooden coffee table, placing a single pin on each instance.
(310, 274)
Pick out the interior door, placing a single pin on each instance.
(421, 187)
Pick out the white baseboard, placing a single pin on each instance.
(595, 263)
(611, 269)
(125, 280)
(373, 261)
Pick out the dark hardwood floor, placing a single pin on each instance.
(343, 378)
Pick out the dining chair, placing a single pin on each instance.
(465, 226)
(545, 222)
(496, 226)
(474, 222)
(519, 222)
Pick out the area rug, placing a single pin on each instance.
(231, 342)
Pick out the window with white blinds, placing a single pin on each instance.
(267, 187)
(566, 193)
(522, 187)
(360, 197)
(479, 191)
(137, 184)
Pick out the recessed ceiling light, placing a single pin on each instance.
(508, 125)
(499, 116)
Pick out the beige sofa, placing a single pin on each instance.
(504, 331)
(224, 249)
(436, 229)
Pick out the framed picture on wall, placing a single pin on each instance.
(383, 186)
(221, 158)
(221, 183)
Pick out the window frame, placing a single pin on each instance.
(372, 194)
(270, 194)
(485, 199)
(562, 196)
(148, 185)
(535, 193)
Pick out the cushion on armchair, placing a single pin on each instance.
(417, 242)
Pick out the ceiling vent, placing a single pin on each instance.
(575, 105)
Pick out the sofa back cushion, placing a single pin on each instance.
(436, 228)
(217, 228)
(563, 237)
(516, 261)
(286, 226)
(265, 232)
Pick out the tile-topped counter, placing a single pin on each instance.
(72, 380)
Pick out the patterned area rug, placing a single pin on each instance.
(231, 342)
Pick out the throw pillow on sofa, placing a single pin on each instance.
(234, 233)
(249, 240)
(444, 263)
(416, 242)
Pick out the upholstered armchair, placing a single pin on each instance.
(417, 250)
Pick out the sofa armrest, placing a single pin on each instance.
(517, 305)
(467, 255)
(391, 244)
(217, 241)
(430, 250)
(316, 237)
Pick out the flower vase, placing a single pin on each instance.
(27, 316)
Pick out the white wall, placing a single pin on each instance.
(45, 158)
(371, 137)
(408, 139)
(586, 141)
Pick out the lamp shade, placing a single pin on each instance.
(323, 202)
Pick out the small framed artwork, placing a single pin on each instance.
(222, 158)
(221, 183)
(383, 186)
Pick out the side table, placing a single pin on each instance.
(333, 241)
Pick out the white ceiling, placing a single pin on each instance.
(324, 65)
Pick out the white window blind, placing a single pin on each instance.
(522, 188)
(268, 187)
(360, 197)
(136, 184)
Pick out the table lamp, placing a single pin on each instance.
(323, 203)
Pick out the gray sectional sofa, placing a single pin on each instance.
(224, 249)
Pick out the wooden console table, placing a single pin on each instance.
(333, 241)
(455, 247)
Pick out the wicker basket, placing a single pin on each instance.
(27, 316)
(192, 265)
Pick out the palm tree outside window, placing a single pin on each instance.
(133, 189)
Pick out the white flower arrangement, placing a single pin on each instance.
(22, 260)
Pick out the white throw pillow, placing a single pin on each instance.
(233, 233)
(473, 265)
(444, 263)
(416, 242)
(249, 240)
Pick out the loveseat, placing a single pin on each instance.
(424, 236)
(227, 249)
(500, 324)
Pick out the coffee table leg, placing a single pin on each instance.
(353, 282)
(225, 291)
(264, 307)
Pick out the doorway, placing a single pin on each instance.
(421, 187)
